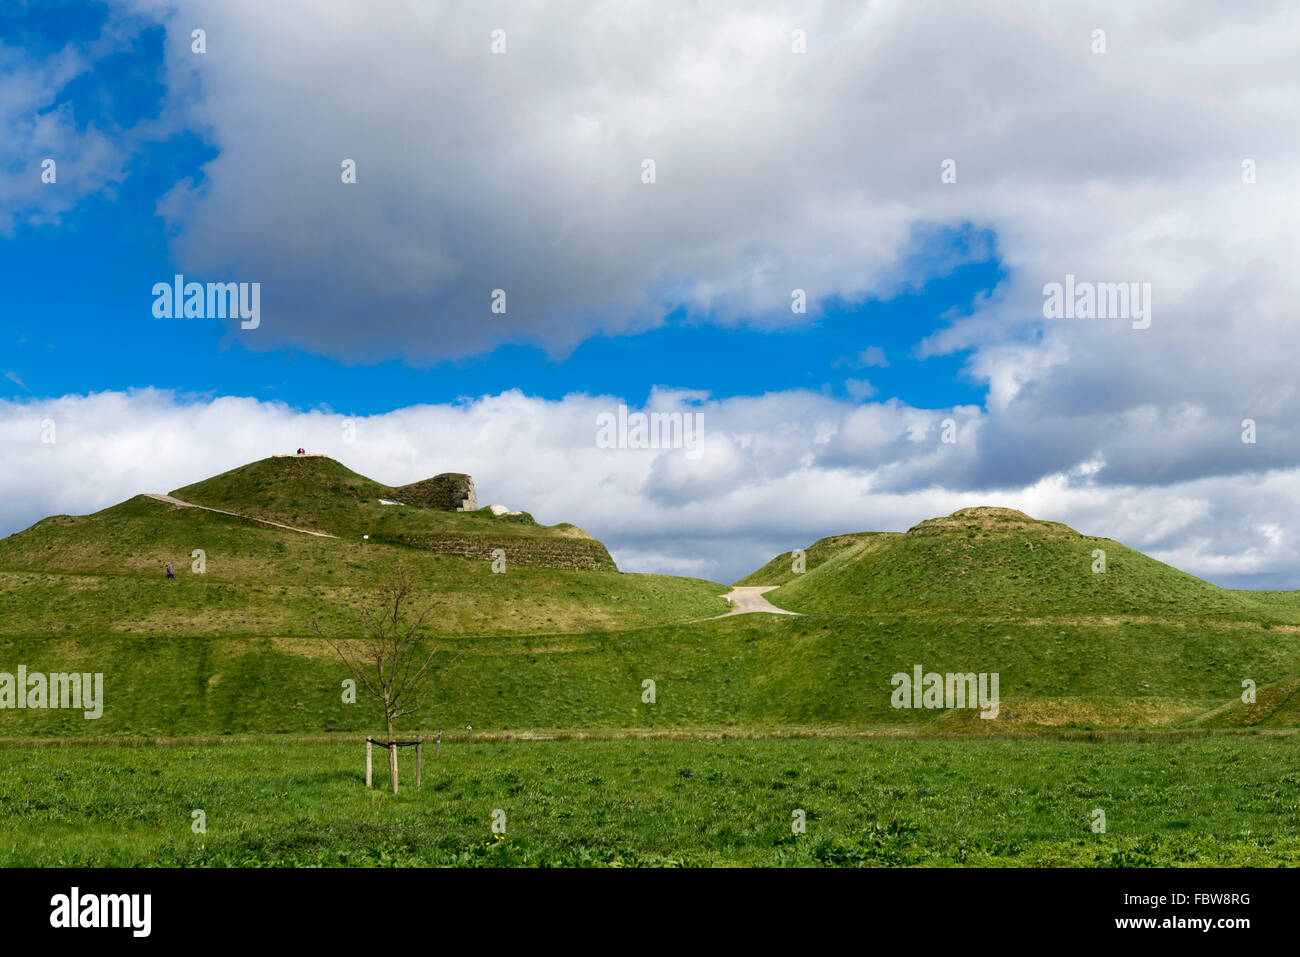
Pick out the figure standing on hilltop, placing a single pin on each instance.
(302, 451)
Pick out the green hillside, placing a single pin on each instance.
(812, 674)
(541, 647)
(320, 494)
(780, 570)
(308, 491)
(1276, 705)
(1000, 561)
(101, 574)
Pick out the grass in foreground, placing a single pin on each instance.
(1222, 801)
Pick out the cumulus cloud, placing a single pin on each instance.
(775, 170)
(51, 161)
(766, 477)
(1160, 161)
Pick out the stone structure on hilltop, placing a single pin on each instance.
(449, 492)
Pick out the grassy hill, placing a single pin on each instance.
(753, 714)
(1140, 644)
(812, 674)
(999, 561)
(232, 651)
(780, 570)
(320, 494)
(101, 574)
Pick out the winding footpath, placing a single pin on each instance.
(749, 599)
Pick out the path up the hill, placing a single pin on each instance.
(172, 500)
(748, 599)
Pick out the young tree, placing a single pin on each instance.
(388, 659)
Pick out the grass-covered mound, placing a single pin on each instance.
(241, 661)
(307, 491)
(102, 574)
(781, 569)
(990, 560)
(320, 494)
(312, 493)
(233, 651)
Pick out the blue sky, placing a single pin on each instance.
(777, 169)
(79, 296)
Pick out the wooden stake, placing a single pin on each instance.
(419, 759)
(369, 765)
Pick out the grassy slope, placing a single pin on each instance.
(1276, 705)
(646, 803)
(990, 566)
(1142, 644)
(812, 671)
(231, 652)
(780, 570)
(101, 574)
(323, 495)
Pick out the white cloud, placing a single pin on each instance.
(860, 388)
(775, 171)
(751, 493)
(872, 356)
(35, 130)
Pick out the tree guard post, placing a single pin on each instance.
(437, 748)
(391, 747)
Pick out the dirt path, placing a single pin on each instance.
(749, 599)
(172, 500)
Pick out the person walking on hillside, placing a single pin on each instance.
(171, 572)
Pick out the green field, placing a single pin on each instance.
(1120, 689)
(1223, 801)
